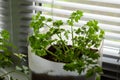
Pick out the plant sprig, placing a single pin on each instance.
(7, 57)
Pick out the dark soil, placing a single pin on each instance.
(52, 49)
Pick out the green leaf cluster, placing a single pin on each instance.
(5, 53)
(7, 57)
(79, 56)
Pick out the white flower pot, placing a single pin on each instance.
(39, 65)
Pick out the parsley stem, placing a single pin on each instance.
(51, 53)
(63, 42)
(73, 44)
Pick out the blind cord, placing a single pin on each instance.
(118, 67)
(11, 21)
(52, 5)
(119, 56)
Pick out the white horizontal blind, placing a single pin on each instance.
(5, 18)
(20, 23)
(106, 12)
(12, 18)
(4, 14)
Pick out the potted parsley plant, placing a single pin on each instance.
(55, 49)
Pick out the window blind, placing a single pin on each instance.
(12, 18)
(106, 12)
(19, 23)
(4, 14)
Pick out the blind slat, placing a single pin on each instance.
(86, 15)
(79, 6)
(108, 1)
(110, 60)
(113, 36)
(3, 10)
(108, 27)
(112, 43)
(111, 52)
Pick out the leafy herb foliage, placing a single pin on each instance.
(5, 53)
(6, 56)
(80, 57)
